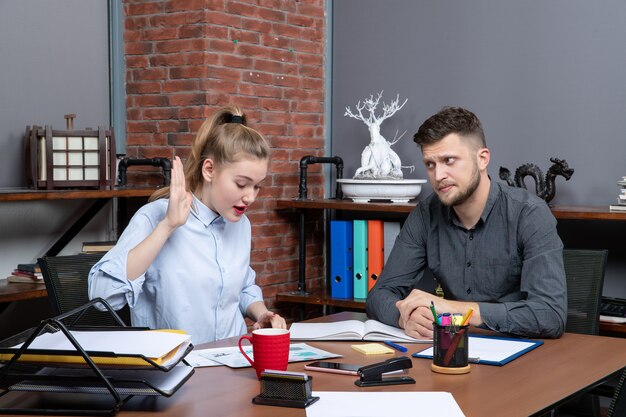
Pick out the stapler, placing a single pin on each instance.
(372, 375)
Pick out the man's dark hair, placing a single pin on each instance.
(450, 120)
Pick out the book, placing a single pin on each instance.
(94, 247)
(34, 275)
(617, 207)
(24, 280)
(492, 350)
(370, 330)
(372, 349)
(33, 267)
(612, 319)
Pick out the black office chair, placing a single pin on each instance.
(66, 282)
(584, 271)
(618, 404)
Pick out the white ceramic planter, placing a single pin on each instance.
(398, 191)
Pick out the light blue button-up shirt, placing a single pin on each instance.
(200, 282)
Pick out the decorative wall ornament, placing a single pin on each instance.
(544, 187)
(378, 160)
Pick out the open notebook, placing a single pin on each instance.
(351, 330)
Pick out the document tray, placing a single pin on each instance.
(61, 377)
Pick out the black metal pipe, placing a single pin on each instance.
(305, 161)
(164, 163)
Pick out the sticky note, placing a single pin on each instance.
(372, 349)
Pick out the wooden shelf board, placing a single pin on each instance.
(560, 212)
(14, 194)
(318, 297)
(345, 205)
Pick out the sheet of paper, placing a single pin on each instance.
(232, 357)
(152, 344)
(379, 404)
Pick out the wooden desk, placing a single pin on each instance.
(530, 385)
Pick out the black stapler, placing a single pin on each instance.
(372, 375)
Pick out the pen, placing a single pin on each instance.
(432, 308)
(395, 346)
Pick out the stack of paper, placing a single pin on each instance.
(119, 347)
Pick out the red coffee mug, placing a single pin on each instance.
(270, 349)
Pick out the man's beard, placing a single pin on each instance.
(467, 193)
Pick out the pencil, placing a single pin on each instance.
(467, 316)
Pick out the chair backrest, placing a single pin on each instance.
(618, 404)
(584, 270)
(66, 282)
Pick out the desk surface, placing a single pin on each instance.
(532, 383)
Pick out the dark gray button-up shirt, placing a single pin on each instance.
(511, 263)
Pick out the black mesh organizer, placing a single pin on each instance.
(80, 382)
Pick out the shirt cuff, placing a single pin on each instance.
(116, 267)
(494, 316)
(249, 296)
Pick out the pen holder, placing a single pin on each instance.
(450, 349)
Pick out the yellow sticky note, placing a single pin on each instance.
(372, 349)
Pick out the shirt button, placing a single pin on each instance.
(469, 290)
(469, 264)
(471, 237)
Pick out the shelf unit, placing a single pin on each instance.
(321, 297)
(18, 291)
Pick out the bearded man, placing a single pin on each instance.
(491, 247)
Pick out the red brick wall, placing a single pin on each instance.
(185, 58)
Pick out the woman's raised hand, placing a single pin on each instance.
(179, 204)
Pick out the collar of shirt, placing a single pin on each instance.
(204, 214)
(494, 194)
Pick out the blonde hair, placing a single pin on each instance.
(224, 138)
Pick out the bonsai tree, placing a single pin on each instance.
(378, 160)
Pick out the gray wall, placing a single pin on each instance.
(547, 78)
(55, 61)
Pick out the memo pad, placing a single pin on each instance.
(372, 349)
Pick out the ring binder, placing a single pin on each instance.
(120, 381)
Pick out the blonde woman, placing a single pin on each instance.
(183, 262)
